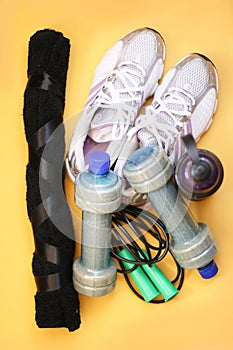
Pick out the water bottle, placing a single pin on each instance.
(98, 194)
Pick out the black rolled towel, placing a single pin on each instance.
(57, 303)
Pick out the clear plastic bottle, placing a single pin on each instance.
(98, 194)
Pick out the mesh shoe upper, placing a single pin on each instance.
(127, 75)
(184, 103)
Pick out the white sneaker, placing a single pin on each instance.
(184, 103)
(127, 75)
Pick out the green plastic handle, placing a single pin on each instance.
(145, 286)
(161, 282)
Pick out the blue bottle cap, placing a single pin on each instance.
(99, 163)
(208, 271)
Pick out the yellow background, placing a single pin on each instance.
(201, 316)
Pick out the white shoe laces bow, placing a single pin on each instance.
(177, 105)
(122, 92)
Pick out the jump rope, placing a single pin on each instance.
(145, 233)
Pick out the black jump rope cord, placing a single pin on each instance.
(141, 223)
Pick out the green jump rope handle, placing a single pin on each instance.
(143, 283)
(162, 283)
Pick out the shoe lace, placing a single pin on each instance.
(122, 91)
(165, 118)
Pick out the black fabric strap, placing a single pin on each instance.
(51, 253)
(35, 147)
(50, 283)
(46, 170)
(42, 135)
(46, 209)
(44, 82)
(39, 215)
